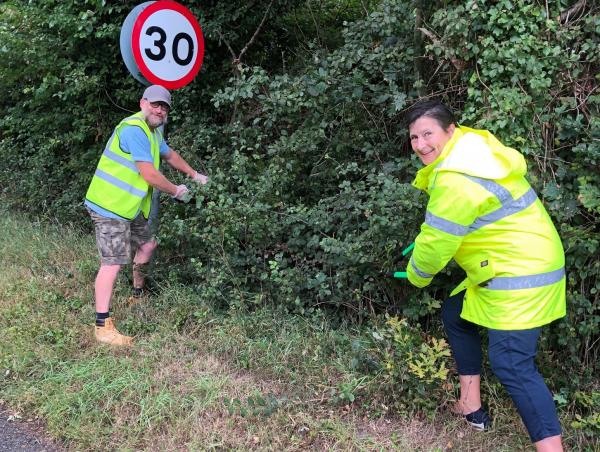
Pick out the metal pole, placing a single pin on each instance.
(153, 221)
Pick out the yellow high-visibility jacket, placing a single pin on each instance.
(483, 213)
(117, 185)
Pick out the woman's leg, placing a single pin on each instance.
(550, 444)
(512, 358)
(465, 343)
(470, 394)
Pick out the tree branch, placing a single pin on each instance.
(255, 33)
(226, 44)
(572, 12)
(418, 41)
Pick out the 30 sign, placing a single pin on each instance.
(166, 44)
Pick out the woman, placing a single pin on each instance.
(483, 213)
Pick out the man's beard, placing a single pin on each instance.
(154, 121)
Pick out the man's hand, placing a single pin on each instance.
(200, 178)
(182, 193)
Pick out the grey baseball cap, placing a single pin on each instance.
(157, 93)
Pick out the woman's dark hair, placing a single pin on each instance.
(434, 109)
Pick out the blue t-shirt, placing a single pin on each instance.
(132, 139)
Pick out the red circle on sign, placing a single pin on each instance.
(137, 53)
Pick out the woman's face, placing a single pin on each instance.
(428, 138)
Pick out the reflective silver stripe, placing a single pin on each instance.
(119, 183)
(525, 282)
(512, 207)
(493, 187)
(509, 206)
(445, 225)
(121, 160)
(422, 274)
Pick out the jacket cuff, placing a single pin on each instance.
(416, 276)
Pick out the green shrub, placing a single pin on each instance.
(413, 370)
(309, 202)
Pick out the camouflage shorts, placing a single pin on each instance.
(118, 240)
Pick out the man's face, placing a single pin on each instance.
(155, 113)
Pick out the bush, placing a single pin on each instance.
(309, 202)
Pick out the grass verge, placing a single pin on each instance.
(197, 378)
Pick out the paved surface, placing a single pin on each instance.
(19, 436)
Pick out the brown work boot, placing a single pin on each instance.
(108, 334)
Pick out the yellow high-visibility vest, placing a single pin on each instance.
(117, 185)
(483, 213)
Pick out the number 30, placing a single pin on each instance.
(160, 44)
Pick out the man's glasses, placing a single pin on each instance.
(164, 107)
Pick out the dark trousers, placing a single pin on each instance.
(512, 359)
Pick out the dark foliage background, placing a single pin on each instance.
(309, 202)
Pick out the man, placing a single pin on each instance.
(119, 200)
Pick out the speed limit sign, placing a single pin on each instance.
(167, 44)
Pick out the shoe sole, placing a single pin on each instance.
(478, 427)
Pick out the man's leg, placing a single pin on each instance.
(140, 262)
(113, 240)
(144, 244)
(465, 343)
(105, 283)
(512, 357)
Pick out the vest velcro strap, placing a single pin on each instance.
(525, 282)
(120, 184)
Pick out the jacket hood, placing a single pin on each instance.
(476, 153)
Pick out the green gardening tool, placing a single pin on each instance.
(403, 275)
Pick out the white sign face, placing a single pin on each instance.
(167, 44)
